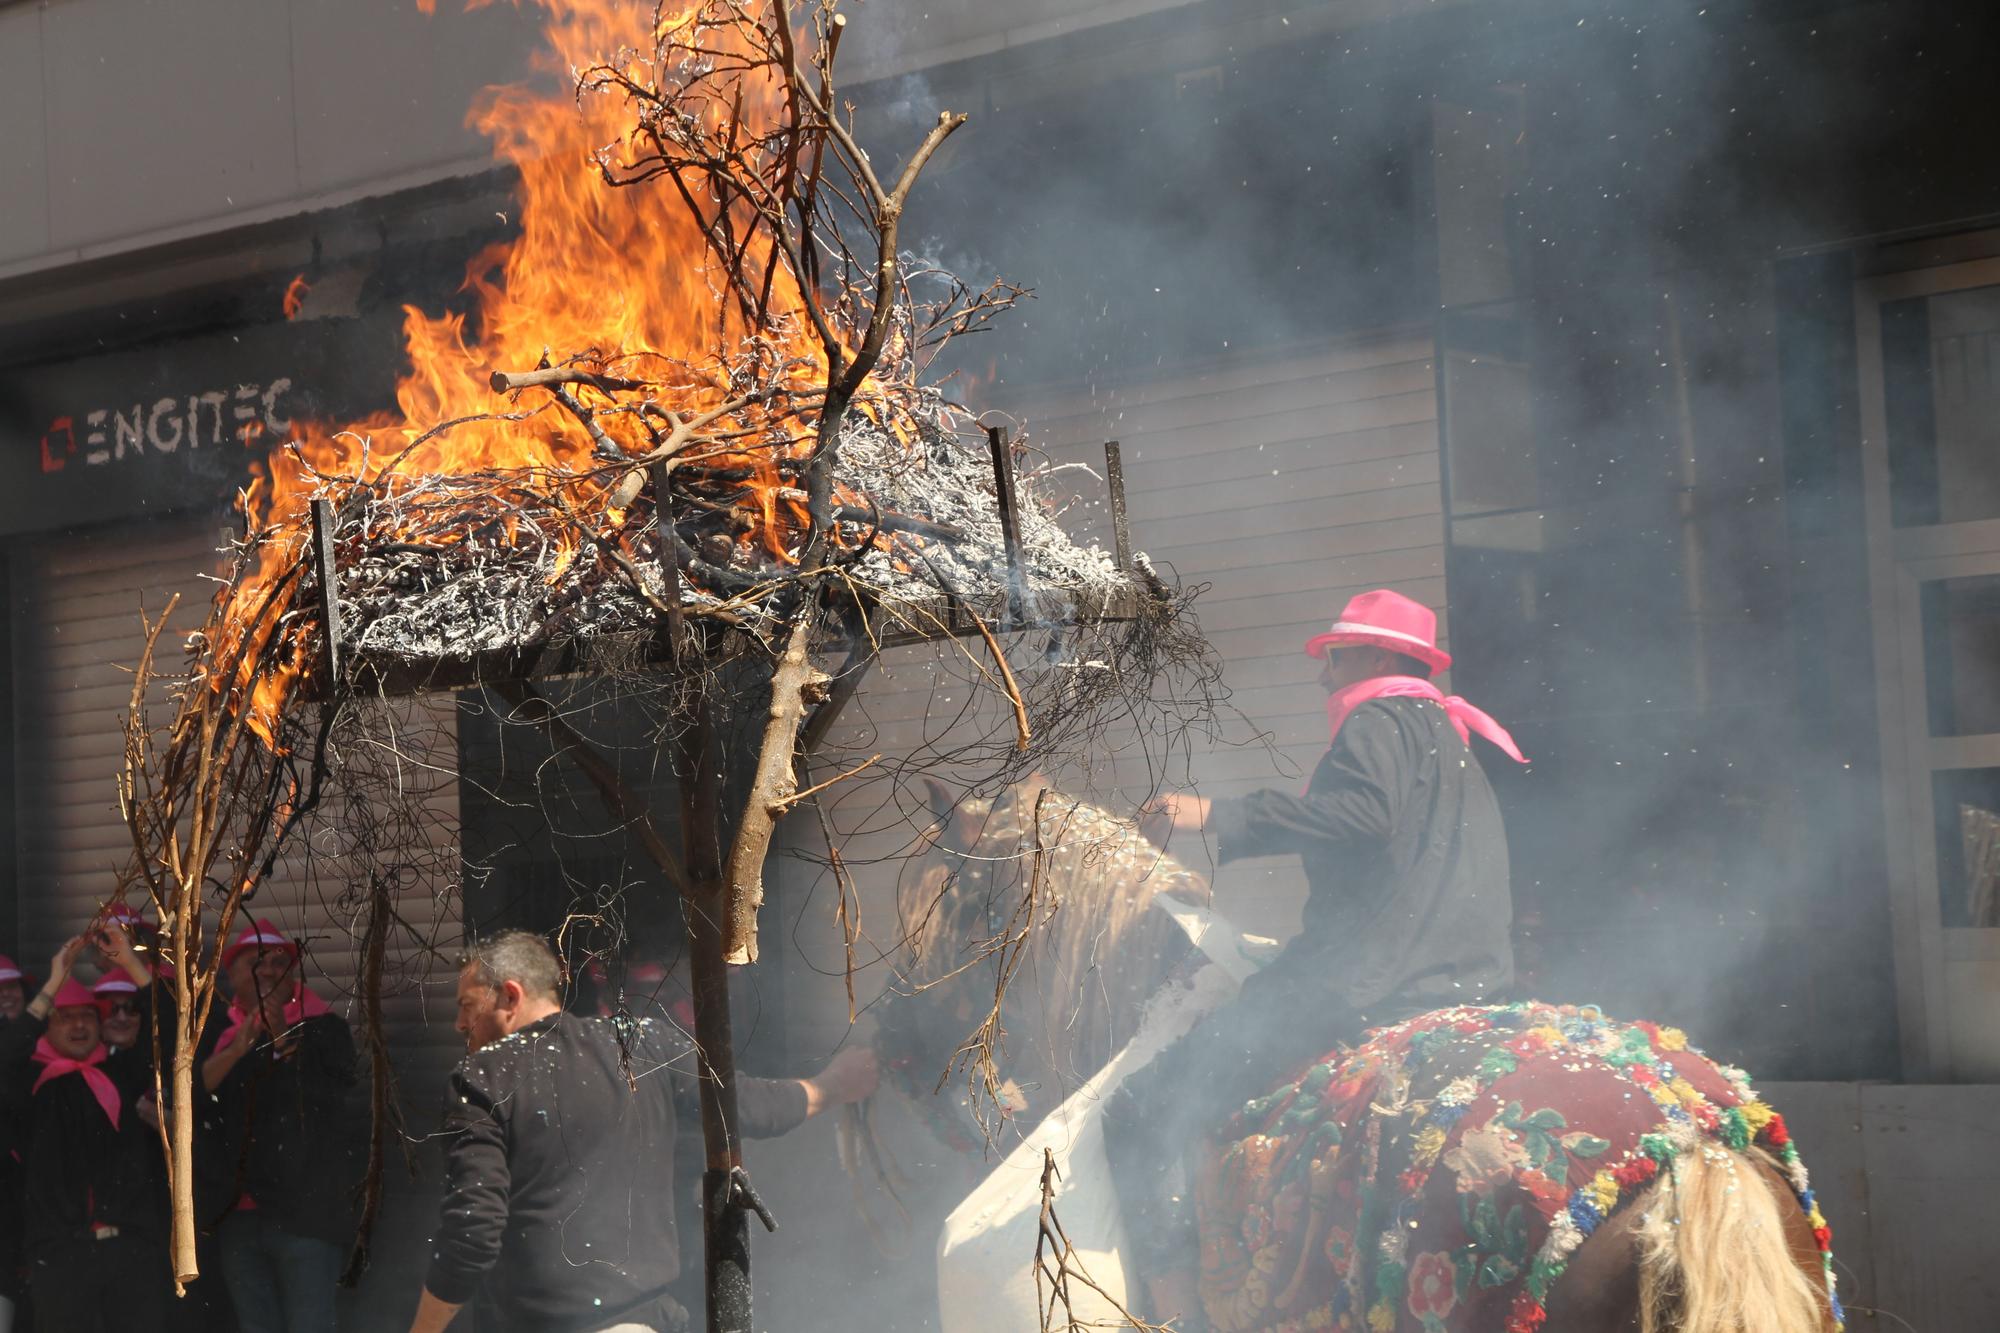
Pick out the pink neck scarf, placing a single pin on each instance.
(55, 1064)
(1465, 719)
(303, 1005)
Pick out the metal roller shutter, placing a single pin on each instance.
(77, 600)
(1286, 483)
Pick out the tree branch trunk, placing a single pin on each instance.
(180, 1173)
(771, 790)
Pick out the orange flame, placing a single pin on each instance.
(295, 296)
(618, 270)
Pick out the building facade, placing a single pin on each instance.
(1656, 351)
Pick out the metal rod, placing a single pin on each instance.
(670, 557)
(1010, 525)
(329, 584)
(1114, 480)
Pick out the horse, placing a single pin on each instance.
(1515, 1168)
(1054, 895)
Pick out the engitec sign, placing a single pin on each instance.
(176, 424)
(111, 434)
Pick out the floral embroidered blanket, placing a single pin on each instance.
(1437, 1178)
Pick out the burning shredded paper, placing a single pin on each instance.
(448, 566)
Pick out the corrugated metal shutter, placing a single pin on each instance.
(79, 599)
(77, 605)
(1286, 484)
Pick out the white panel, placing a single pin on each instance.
(163, 113)
(24, 220)
(383, 91)
(1972, 1012)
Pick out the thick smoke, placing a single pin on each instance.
(1607, 220)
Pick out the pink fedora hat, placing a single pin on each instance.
(1384, 619)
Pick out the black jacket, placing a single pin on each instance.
(289, 1139)
(560, 1172)
(77, 1171)
(1406, 860)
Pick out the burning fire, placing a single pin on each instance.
(295, 296)
(624, 272)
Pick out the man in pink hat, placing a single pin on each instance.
(282, 1072)
(13, 989)
(94, 1193)
(1408, 908)
(119, 1019)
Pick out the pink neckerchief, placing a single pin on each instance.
(1464, 717)
(303, 1005)
(55, 1064)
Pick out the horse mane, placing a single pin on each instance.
(1074, 887)
(1714, 1256)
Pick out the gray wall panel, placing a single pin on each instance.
(24, 218)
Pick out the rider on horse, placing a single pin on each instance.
(1406, 862)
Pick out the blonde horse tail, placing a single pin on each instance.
(1714, 1255)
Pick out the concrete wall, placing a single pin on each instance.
(137, 122)
(133, 123)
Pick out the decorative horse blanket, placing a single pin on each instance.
(1438, 1178)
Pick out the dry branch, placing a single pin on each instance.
(1057, 1268)
(771, 790)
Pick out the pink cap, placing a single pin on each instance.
(9, 971)
(74, 994)
(115, 984)
(127, 916)
(261, 933)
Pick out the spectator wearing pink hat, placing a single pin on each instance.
(282, 1072)
(119, 1020)
(13, 989)
(140, 934)
(13, 1002)
(1408, 907)
(95, 1204)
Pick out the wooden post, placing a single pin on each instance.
(724, 1211)
(1114, 482)
(670, 557)
(1010, 519)
(329, 583)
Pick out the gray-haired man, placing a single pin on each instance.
(559, 1174)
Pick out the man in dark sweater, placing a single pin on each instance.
(1408, 909)
(559, 1142)
(95, 1200)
